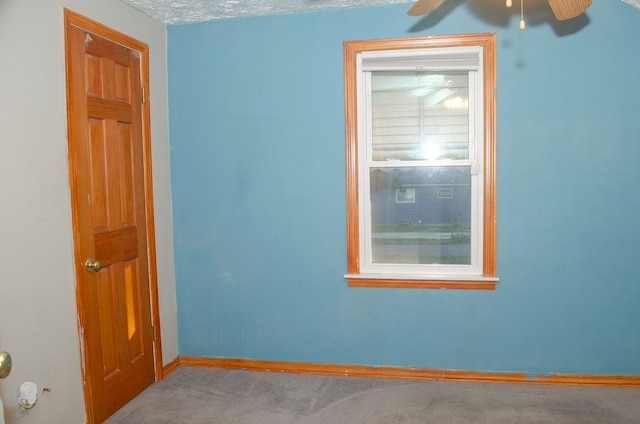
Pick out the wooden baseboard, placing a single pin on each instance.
(411, 373)
(171, 367)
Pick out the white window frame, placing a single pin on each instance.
(474, 53)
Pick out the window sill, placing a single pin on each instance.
(459, 282)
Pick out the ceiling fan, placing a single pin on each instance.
(562, 9)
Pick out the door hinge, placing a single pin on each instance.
(144, 100)
(154, 333)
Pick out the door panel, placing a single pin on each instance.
(107, 165)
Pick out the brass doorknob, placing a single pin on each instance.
(92, 265)
(5, 364)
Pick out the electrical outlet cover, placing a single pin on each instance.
(28, 395)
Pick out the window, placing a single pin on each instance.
(445, 193)
(405, 195)
(420, 149)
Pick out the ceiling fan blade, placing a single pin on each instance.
(567, 9)
(424, 6)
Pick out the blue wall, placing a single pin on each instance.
(258, 182)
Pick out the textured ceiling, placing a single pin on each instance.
(188, 11)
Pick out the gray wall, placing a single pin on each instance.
(38, 319)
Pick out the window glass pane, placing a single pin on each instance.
(421, 215)
(419, 115)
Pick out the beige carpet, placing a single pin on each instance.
(203, 395)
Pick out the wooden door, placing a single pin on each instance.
(111, 216)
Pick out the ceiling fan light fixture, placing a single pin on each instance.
(562, 9)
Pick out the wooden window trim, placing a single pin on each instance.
(350, 51)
